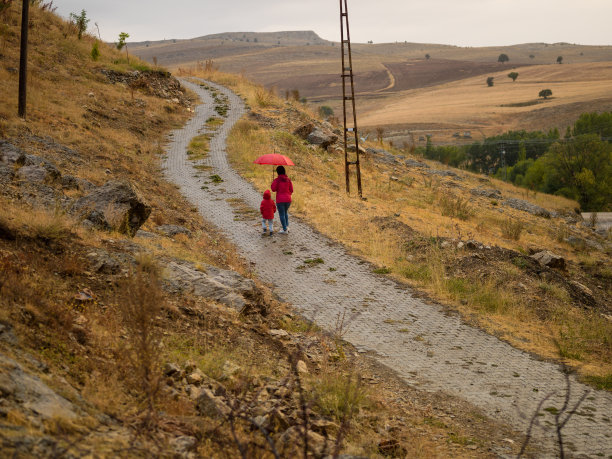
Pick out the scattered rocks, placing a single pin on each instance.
(549, 259)
(525, 206)
(263, 120)
(115, 205)
(443, 173)
(487, 192)
(472, 245)
(146, 234)
(382, 156)
(155, 82)
(184, 444)
(292, 437)
(173, 230)
(171, 369)
(417, 164)
(70, 182)
(101, 262)
(195, 378)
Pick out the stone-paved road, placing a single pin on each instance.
(428, 347)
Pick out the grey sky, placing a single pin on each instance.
(454, 22)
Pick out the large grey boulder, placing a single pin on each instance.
(38, 173)
(321, 138)
(209, 405)
(9, 153)
(549, 259)
(25, 391)
(226, 287)
(525, 206)
(114, 205)
(304, 130)
(14, 162)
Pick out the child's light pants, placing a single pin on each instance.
(270, 223)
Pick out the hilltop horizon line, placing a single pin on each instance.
(319, 40)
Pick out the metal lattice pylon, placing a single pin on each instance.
(347, 73)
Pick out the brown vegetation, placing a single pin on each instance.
(100, 335)
(427, 217)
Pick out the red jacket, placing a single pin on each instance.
(283, 187)
(267, 206)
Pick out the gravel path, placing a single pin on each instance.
(428, 347)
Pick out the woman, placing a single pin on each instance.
(284, 188)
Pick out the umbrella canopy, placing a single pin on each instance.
(275, 159)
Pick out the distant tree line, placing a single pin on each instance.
(577, 166)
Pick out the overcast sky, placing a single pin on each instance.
(454, 22)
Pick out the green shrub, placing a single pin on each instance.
(95, 51)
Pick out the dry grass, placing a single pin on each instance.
(455, 102)
(512, 229)
(443, 109)
(429, 206)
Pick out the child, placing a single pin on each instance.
(267, 208)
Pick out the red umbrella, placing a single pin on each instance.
(276, 159)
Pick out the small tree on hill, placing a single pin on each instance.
(325, 111)
(427, 56)
(560, 60)
(122, 37)
(531, 56)
(490, 81)
(545, 93)
(503, 58)
(80, 21)
(121, 43)
(95, 51)
(513, 75)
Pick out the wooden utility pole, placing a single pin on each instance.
(23, 58)
(347, 73)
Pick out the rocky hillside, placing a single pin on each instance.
(129, 326)
(525, 266)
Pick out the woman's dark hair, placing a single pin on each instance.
(280, 170)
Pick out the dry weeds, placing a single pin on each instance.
(411, 202)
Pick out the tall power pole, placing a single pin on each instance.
(23, 58)
(347, 73)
